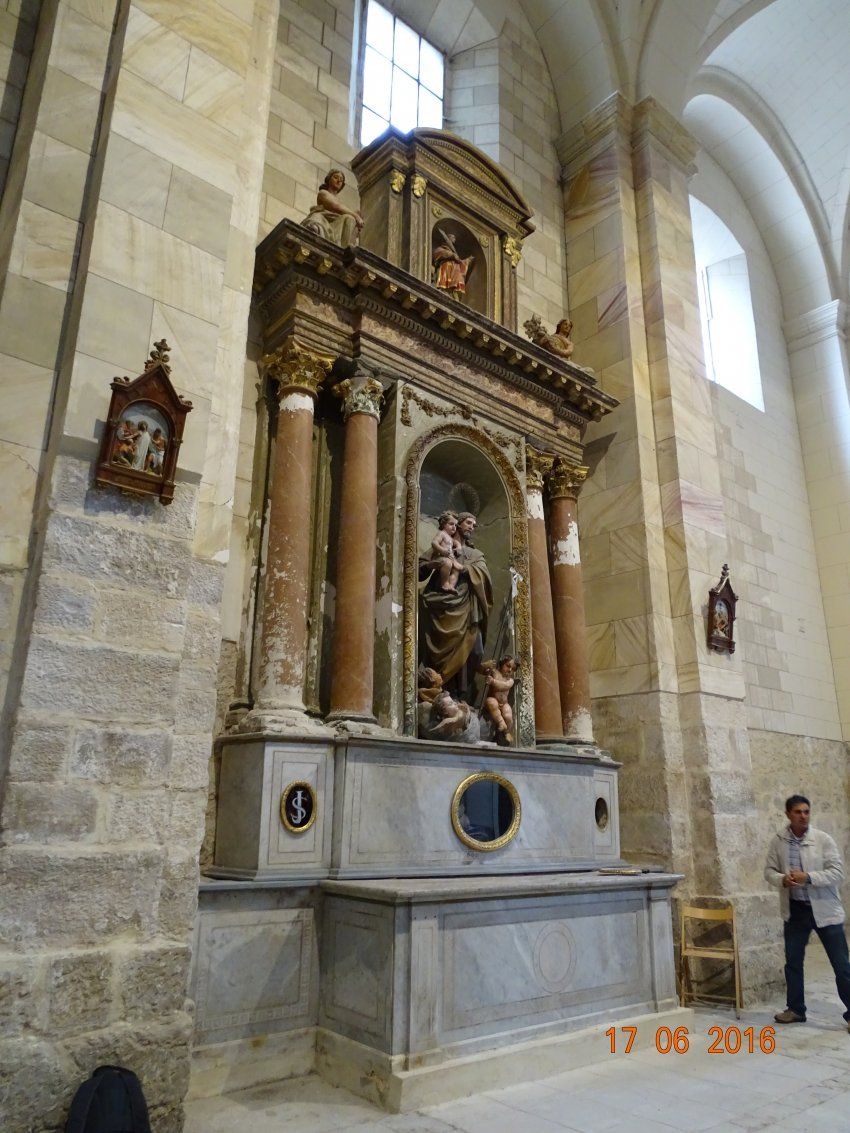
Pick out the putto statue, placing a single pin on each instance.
(500, 679)
(559, 342)
(450, 270)
(329, 217)
(444, 550)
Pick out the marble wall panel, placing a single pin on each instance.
(357, 977)
(255, 972)
(393, 812)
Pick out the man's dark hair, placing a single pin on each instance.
(793, 800)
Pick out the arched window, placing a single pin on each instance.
(726, 307)
(402, 77)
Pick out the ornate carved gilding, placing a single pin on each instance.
(295, 369)
(518, 561)
(565, 479)
(537, 467)
(418, 185)
(432, 409)
(360, 398)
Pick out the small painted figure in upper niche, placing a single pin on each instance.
(500, 679)
(444, 548)
(559, 342)
(329, 217)
(450, 269)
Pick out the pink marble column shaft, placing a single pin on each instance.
(353, 652)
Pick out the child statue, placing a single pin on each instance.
(500, 679)
(329, 217)
(444, 550)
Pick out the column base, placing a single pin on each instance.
(350, 724)
(281, 722)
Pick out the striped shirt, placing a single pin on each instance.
(798, 892)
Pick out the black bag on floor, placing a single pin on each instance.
(111, 1101)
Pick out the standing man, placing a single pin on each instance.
(805, 865)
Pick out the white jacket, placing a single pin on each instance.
(821, 861)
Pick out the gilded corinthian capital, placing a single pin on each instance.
(537, 465)
(360, 396)
(296, 369)
(565, 479)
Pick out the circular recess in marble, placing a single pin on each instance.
(298, 807)
(554, 957)
(601, 814)
(486, 811)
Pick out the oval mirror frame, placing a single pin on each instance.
(510, 833)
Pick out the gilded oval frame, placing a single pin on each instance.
(510, 833)
(284, 794)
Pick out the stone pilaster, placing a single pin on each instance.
(564, 483)
(547, 700)
(298, 374)
(353, 654)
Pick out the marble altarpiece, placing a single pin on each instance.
(420, 681)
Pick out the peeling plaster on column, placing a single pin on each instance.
(534, 504)
(397, 609)
(579, 725)
(222, 557)
(296, 403)
(384, 607)
(566, 551)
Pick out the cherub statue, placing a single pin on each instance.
(329, 217)
(500, 679)
(559, 342)
(450, 717)
(444, 550)
(430, 685)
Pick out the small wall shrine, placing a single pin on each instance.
(414, 712)
(144, 431)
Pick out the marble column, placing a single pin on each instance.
(548, 723)
(298, 373)
(564, 483)
(353, 653)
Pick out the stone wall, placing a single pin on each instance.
(137, 220)
(788, 669)
(18, 22)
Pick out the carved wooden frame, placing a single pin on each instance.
(153, 390)
(720, 627)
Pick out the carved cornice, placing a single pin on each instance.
(290, 257)
(565, 479)
(360, 397)
(828, 321)
(295, 369)
(537, 466)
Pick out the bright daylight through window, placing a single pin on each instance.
(402, 77)
(725, 307)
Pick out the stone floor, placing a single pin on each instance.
(804, 1084)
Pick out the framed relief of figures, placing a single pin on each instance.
(144, 430)
(722, 601)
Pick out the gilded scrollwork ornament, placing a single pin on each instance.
(363, 397)
(418, 184)
(397, 180)
(295, 369)
(512, 249)
(565, 479)
(537, 467)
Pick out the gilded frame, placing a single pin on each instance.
(284, 794)
(518, 560)
(510, 833)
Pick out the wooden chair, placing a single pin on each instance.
(704, 945)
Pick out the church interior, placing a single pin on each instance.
(425, 558)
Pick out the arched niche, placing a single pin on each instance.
(468, 248)
(457, 467)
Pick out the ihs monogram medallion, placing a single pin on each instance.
(298, 807)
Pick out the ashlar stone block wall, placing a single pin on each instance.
(18, 22)
(146, 159)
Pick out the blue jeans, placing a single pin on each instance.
(797, 932)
